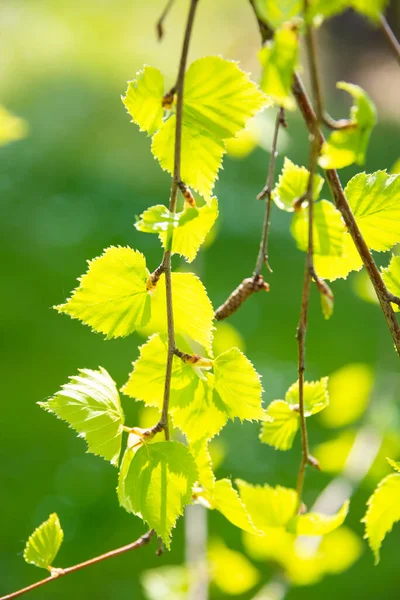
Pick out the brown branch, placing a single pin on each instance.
(176, 180)
(332, 177)
(57, 573)
(160, 22)
(390, 38)
(266, 194)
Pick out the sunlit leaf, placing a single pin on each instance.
(317, 523)
(143, 99)
(227, 501)
(292, 184)
(328, 229)
(279, 60)
(238, 384)
(112, 297)
(90, 403)
(349, 391)
(383, 511)
(204, 465)
(157, 219)
(158, 484)
(347, 146)
(371, 8)
(391, 278)
(375, 202)
(316, 396)
(332, 454)
(281, 431)
(278, 12)
(231, 571)
(335, 267)
(226, 336)
(12, 128)
(44, 543)
(267, 506)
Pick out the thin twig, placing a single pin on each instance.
(57, 573)
(160, 22)
(390, 38)
(342, 204)
(176, 180)
(262, 257)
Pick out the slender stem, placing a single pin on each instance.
(332, 177)
(176, 180)
(57, 573)
(390, 38)
(160, 22)
(266, 193)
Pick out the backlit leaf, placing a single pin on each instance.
(278, 12)
(316, 396)
(371, 8)
(317, 523)
(204, 465)
(239, 386)
(391, 278)
(227, 501)
(44, 543)
(375, 202)
(328, 229)
(383, 511)
(143, 99)
(157, 219)
(292, 184)
(267, 506)
(158, 484)
(347, 146)
(335, 267)
(231, 571)
(90, 404)
(281, 431)
(279, 60)
(112, 297)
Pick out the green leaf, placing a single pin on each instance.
(157, 219)
(193, 311)
(201, 155)
(239, 386)
(90, 404)
(383, 511)
(267, 506)
(328, 229)
(112, 297)
(371, 8)
(143, 99)
(317, 523)
(12, 128)
(391, 278)
(157, 485)
(335, 267)
(219, 97)
(375, 202)
(203, 415)
(44, 543)
(279, 60)
(201, 455)
(278, 12)
(231, 571)
(292, 184)
(349, 393)
(316, 396)
(347, 146)
(147, 380)
(281, 431)
(193, 227)
(227, 501)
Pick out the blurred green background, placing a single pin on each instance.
(72, 188)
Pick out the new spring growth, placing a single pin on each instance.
(249, 286)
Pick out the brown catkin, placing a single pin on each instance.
(239, 295)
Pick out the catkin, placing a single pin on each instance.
(239, 295)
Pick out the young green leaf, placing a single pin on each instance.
(239, 386)
(157, 219)
(227, 501)
(201, 455)
(193, 311)
(279, 60)
(278, 12)
(292, 184)
(375, 202)
(316, 396)
(112, 297)
(317, 523)
(281, 430)
(44, 543)
(267, 506)
(371, 8)
(12, 128)
(221, 110)
(90, 404)
(391, 278)
(383, 511)
(143, 99)
(158, 484)
(231, 571)
(328, 229)
(347, 146)
(335, 267)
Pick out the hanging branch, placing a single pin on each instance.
(57, 573)
(160, 22)
(256, 282)
(390, 38)
(384, 296)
